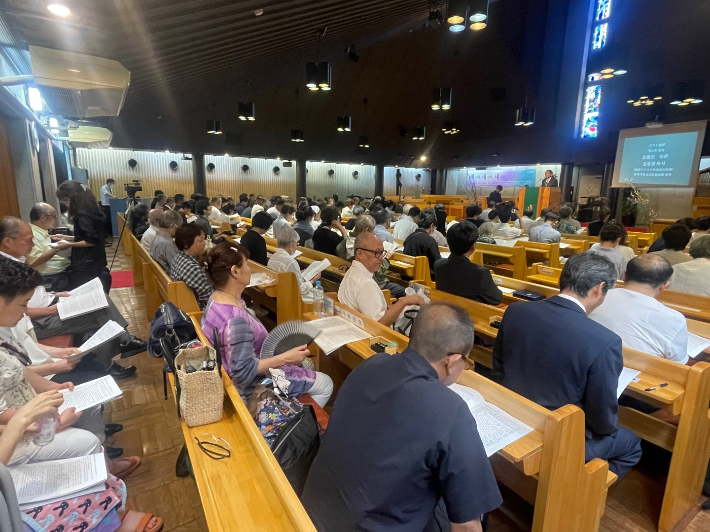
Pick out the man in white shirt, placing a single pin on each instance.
(609, 238)
(275, 209)
(502, 229)
(360, 291)
(546, 232)
(693, 277)
(347, 211)
(153, 228)
(106, 195)
(44, 256)
(634, 313)
(491, 206)
(526, 220)
(217, 216)
(407, 224)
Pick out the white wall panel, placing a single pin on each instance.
(320, 184)
(229, 179)
(153, 170)
(411, 186)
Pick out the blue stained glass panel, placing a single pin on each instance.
(590, 112)
(603, 9)
(599, 38)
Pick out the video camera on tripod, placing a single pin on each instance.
(132, 188)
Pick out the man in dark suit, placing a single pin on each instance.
(552, 353)
(550, 180)
(458, 275)
(496, 196)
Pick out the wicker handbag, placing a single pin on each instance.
(200, 392)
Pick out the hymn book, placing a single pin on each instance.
(82, 300)
(496, 427)
(315, 268)
(336, 332)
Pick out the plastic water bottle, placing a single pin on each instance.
(46, 427)
(318, 299)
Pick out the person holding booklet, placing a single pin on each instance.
(282, 260)
(241, 335)
(443, 479)
(77, 433)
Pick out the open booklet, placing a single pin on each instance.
(106, 333)
(336, 332)
(696, 344)
(59, 479)
(83, 300)
(315, 268)
(496, 427)
(92, 393)
(627, 376)
(259, 279)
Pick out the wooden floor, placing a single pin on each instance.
(152, 431)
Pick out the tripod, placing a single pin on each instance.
(130, 201)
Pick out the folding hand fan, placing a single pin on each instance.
(287, 336)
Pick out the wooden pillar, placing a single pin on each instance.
(380, 181)
(9, 204)
(199, 179)
(301, 174)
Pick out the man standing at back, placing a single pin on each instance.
(401, 447)
(106, 195)
(550, 352)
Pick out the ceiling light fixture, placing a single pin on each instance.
(247, 111)
(318, 74)
(344, 123)
(214, 127)
(441, 99)
(418, 133)
(74, 70)
(479, 15)
(451, 127)
(59, 9)
(456, 15)
(364, 142)
(688, 92)
(297, 135)
(648, 96)
(423, 158)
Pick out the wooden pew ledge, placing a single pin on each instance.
(669, 397)
(648, 427)
(547, 280)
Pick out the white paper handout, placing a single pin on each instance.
(627, 375)
(496, 427)
(92, 393)
(445, 254)
(336, 332)
(563, 245)
(506, 290)
(107, 332)
(58, 479)
(390, 246)
(258, 279)
(581, 230)
(82, 300)
(696, 344)
(315, 267)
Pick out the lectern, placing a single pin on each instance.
(539, 198)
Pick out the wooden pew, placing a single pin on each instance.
(283, 296)
(686, 394)
(248, 491)
(538, 252)
(513, 257)
(546, 466)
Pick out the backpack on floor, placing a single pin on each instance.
(169, 321)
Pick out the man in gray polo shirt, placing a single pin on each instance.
(163, 249)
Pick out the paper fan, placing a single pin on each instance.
(287, 336)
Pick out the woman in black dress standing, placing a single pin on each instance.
(88, 255)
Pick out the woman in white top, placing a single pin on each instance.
(282, 260)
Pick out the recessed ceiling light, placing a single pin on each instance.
(258, 12)
(59, 9)
(423, 157)
(74, 70)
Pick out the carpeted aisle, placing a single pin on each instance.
(121, 279)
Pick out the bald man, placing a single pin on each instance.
(360, 291)
(153, 228)
(424, 466)
(44, 257)
(635, 314)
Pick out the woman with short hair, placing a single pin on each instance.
(186, 266)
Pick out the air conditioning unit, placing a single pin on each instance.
(90, 137)
(78, 85)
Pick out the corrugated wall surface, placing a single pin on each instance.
(320, 184)
(229, 179)
(411, 186)
(153, 170)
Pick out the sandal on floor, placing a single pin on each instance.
(133, 521)
(135, 463)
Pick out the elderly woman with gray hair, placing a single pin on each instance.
(282, 260)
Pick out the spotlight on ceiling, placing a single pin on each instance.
(441, 99)
(351, 55)
(525, 116)
(247, 111)
(451, 128)
(644, 97)
(364, 142)
(344, 123)
(59, 9)
(478, 14)
(214, 127)
(423, 158)
(297, 135)
(418, 133)
(688, 93)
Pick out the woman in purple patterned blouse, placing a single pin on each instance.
(241, 335)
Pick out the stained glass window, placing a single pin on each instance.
(599, 38)
(590, 113)
(603, 9)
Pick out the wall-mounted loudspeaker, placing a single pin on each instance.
(418, 177)
(245, 168)
(355, 174)
(210, 166)
(132, 163)
(173, 165)
(276, 169)
(331, 172)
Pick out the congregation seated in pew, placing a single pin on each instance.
(203, 209)
(693, 276)
(420, 242)
(283, 219)
(395, 402)
(241, 334)
(485, 234)
(551, 352)
(152, 229)
(502, 229)
(187, 265)
(546, 232)
(610, 237)
(325, 239)
(676, 238)
(283, 261)
(634, 313)
(359, 289)
(568, 225)
(407, 223)
(162, 248)
(458, 275)
(304, 217)
(253, 239)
